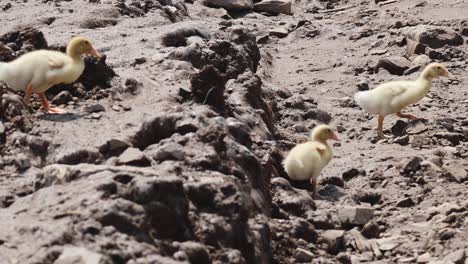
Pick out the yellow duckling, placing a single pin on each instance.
(392, 97)
(305, 161)
(37, 71)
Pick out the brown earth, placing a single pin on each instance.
(172, 149)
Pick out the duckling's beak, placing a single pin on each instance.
(334, 137)
(445, 73)
(93, 52)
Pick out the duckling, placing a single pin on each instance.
(392, 97)
(37, 71)
(305, 161)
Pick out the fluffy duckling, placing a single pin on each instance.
(392, 97)
(37, 71)
(305, 161)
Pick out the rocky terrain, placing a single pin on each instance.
(171, 151)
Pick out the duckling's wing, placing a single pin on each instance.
(56, 64)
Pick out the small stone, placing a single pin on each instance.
(231, 4)
(453, 137)
(350, 174)
(403, 140)
(274, 6)
(371, 230)
(424, 258)
(362, 85)
(22, 162)
(94, 108)
(344, 258)
(333, 180)
(434, 37)
(334, 240)
(62, 98)
(318, 115)
(412, 166)
(76, 156)
(394, 65)
(422, 60)
(80, 255)
(133, 156)
(303, 255)
(96, 116)
(398, 129)
(279, 32)
(357, 215)
(456, 257)
(457, 172)
(387, 245)
(169, 151)
(405, 202)
(114, 147)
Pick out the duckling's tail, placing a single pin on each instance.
(366, 100)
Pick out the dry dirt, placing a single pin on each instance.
(176, 158)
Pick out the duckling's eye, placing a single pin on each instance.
(438, 67)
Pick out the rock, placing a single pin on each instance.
(424, 258)
(371, 230)
(350, 174)
(196, 252)
(318, 115)
(405, 202)
(169, 151)
(295, 101)
(94, 108)
(346, 102)
(457, 172)
(357, 215)
(398, 129)
(134, 157)
(363, 85)
(434, 37)
(414, 47)
(22, 162)
(279, 32)
(94, 22)
(231, 4)
(178, 36)
(456, 257)
(208, 87)
(62, 98)
(289, 199)
(344, 258)
(303, 255)
(412, 166)
(453, 137)
(333, 180)
(403, 140)
(155, 129)
(387, 244)
(76, 156)
(394, 65)
(370, 197)
(274, 6)
(78, 255)
(114, 147)
(334, 240)
(422, 60)
(416, 127)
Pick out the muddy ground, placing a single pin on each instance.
(172, 148)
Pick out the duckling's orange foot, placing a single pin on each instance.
(53, 110)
